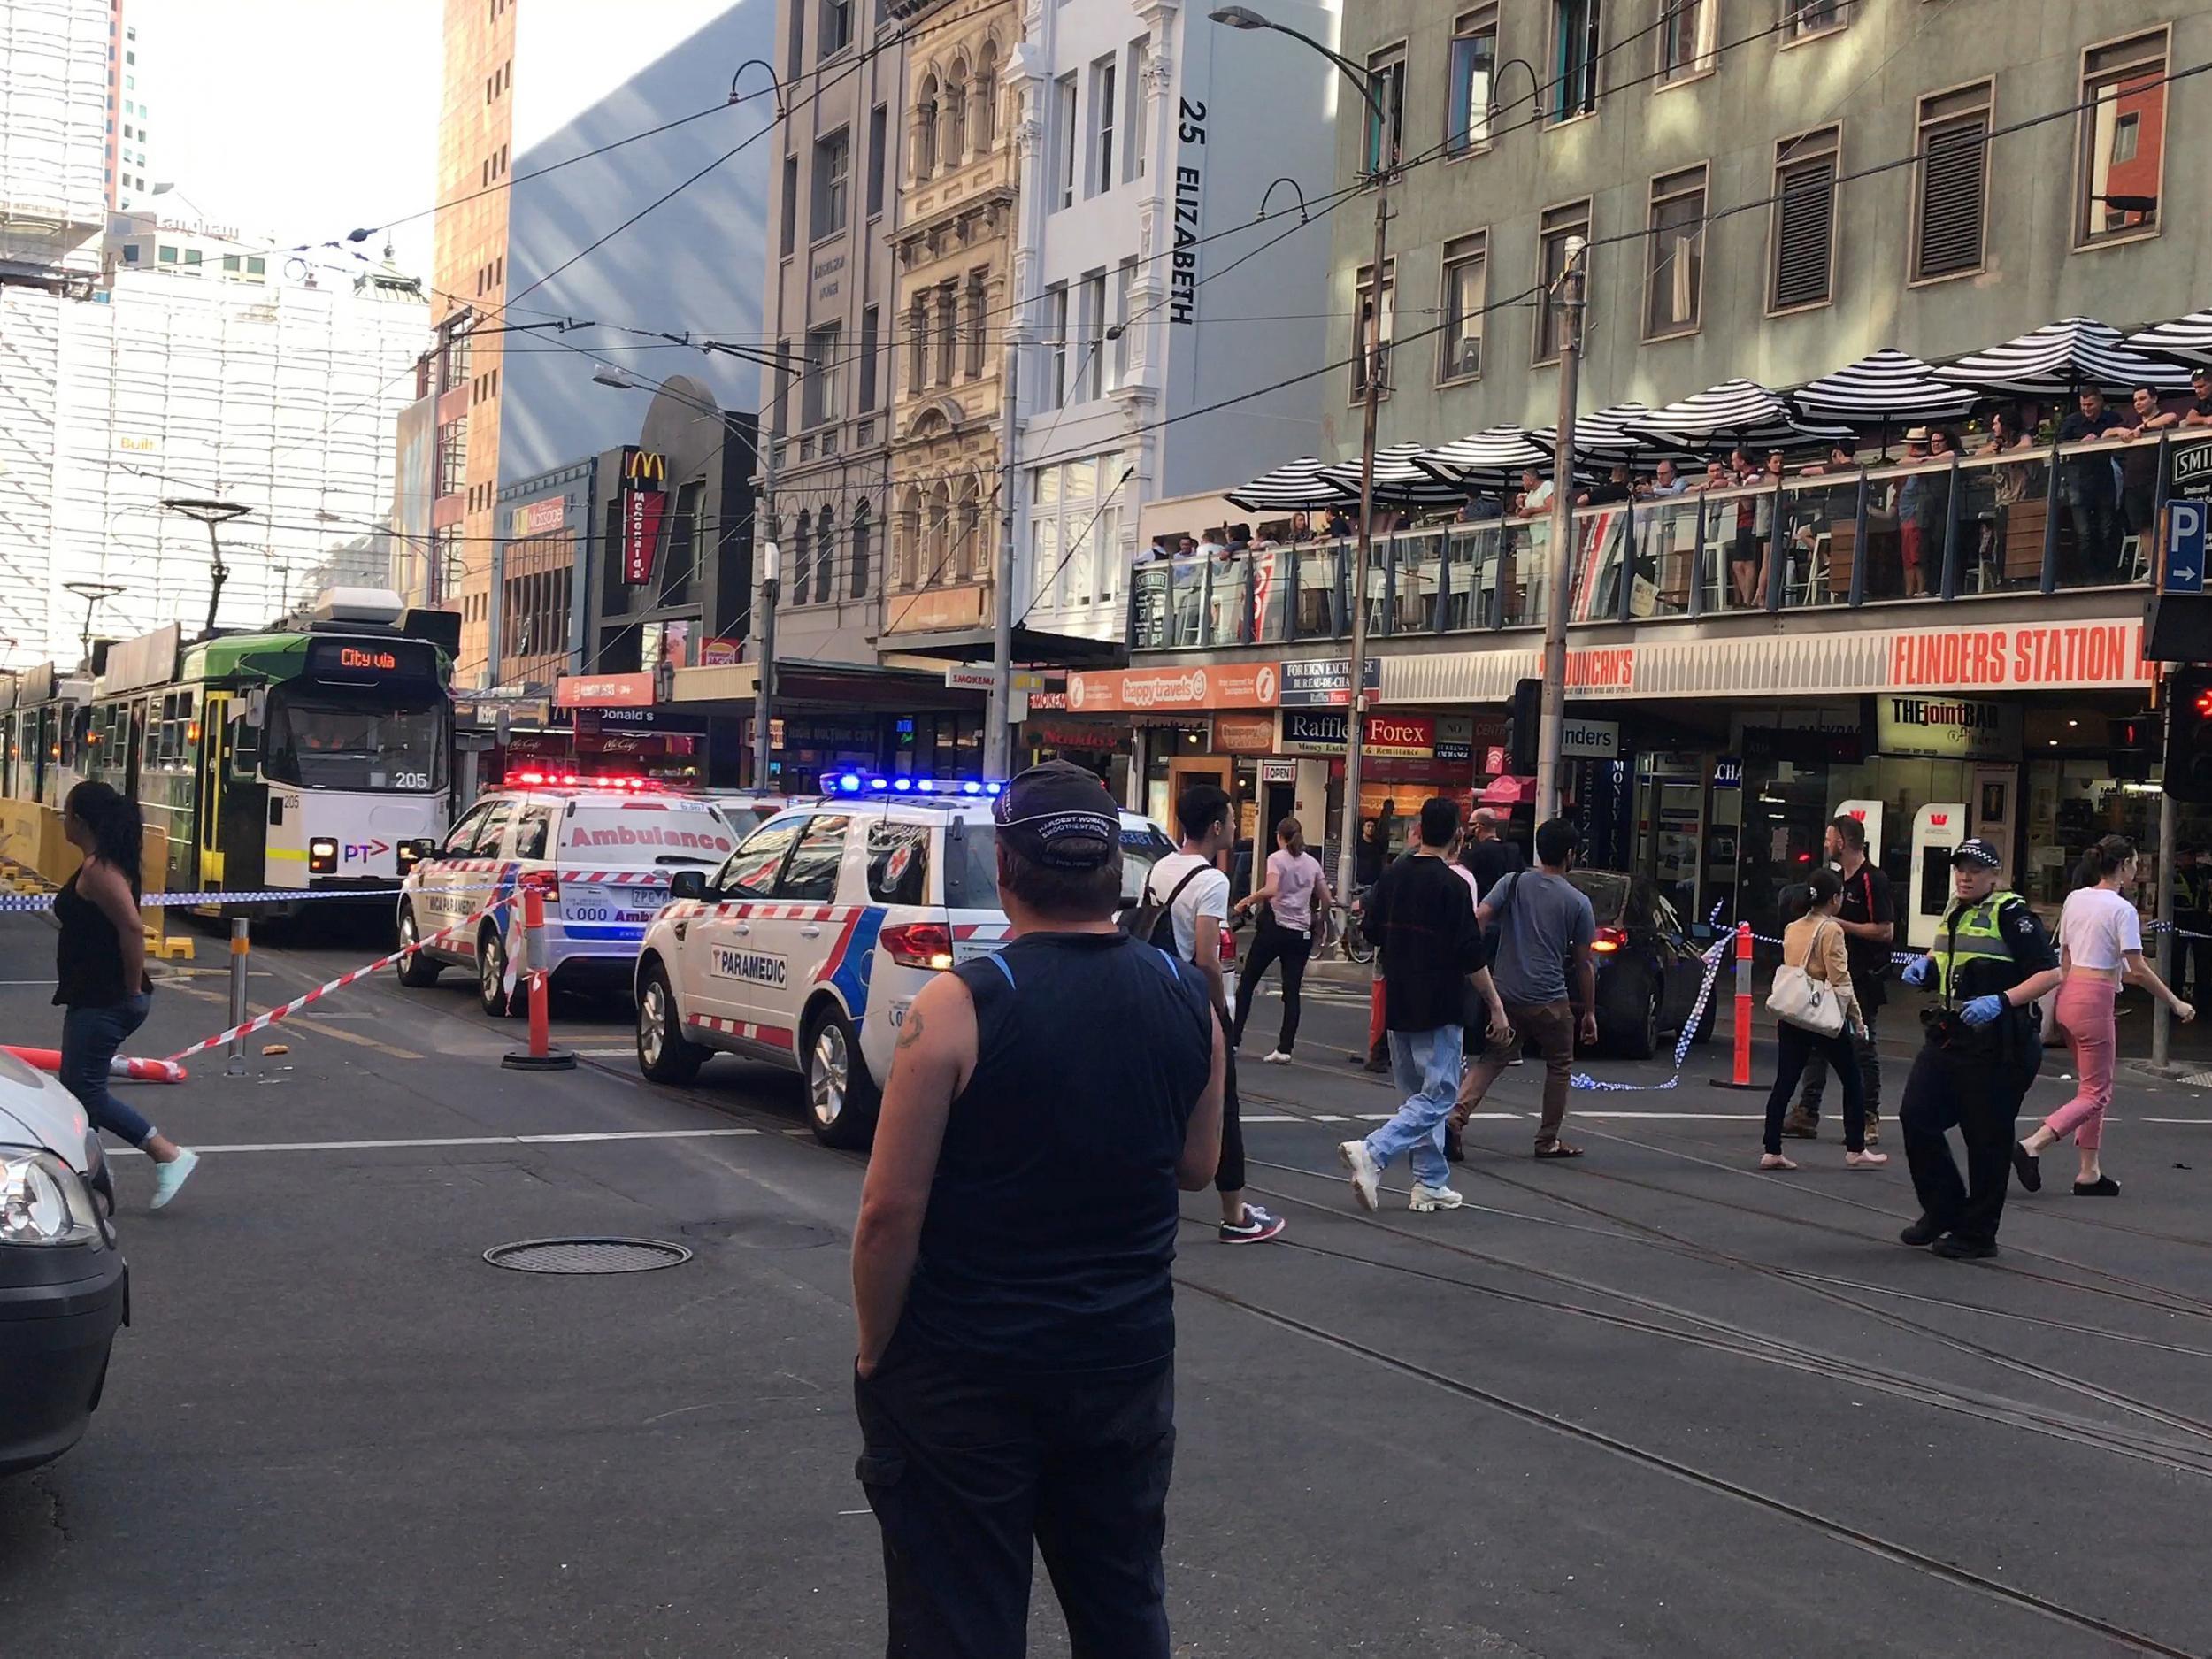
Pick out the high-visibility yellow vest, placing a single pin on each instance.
(1967, 934)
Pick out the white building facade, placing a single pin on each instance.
(1148, 133)
(54, 69)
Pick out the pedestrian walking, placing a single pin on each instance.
(1546, 928)
(2192, 917)
(100, 972)
(1189, 882)
(2099, 947)
(1814, 945)
(1015, 1377)
(1868, 918)
(1992, 959)
(1290, 903)
(1423, 919)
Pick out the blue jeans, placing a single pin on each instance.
(1425, 1064)
(90, 1037)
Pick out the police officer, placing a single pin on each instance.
(1992, 959)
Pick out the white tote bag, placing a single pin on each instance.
(1804, 1001)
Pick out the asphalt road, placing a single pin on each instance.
(1654, 1403)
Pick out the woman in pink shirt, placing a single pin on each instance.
(1295, 894)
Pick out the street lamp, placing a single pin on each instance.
(1244, 18)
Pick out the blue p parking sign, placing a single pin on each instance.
(2183, 571)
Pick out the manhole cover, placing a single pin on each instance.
(587, 1256)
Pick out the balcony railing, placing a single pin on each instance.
(2030, 521)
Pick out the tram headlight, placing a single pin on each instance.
(322, 856)
(412, 853)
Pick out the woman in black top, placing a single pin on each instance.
(100, 972)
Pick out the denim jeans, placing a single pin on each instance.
(90, 1037)
(1425, 1064)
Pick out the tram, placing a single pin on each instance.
(39, 733)
(314, 759)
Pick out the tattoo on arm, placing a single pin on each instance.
(909, 1029)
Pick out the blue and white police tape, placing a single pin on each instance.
(273, 895)
(1712, 959)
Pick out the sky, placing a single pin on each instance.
(296, 120)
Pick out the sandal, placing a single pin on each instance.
(1775, 1161)
(1556, 1150)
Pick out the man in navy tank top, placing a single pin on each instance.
(1015, 1381)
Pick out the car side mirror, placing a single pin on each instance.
(1701, 932)
(688, 884)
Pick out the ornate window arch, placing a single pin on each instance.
(802, 560)
(937, 548)
(824, 553)
(983, 101)
(858, 535)
(926, 128)
(953, 118)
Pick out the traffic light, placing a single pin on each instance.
(2132, 740)
(1520, 735)
(2189, 733)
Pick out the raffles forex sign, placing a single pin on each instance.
(644, 499)
(1946, 728)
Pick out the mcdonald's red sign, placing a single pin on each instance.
(644, 498)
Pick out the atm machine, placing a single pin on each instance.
(1937, 830)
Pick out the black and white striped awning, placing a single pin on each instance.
(2185, 340)
(2060, 360)
(1609, 434)
(1399, 479)
(1299, 486)
(1885, 389)
(1491, 459)
(1737, 412)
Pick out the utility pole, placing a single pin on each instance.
(2161, 1015)
(998, 725)
(768, 556)
(1551, 728)
(1355, 719)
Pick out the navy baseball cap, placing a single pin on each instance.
(1059, 814)
(1978, 852)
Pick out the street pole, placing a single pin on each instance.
(768, 556)
(998, 730)
(1347, 827)
(1551, 725)
(2161, 1015)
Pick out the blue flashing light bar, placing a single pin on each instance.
(863, 783)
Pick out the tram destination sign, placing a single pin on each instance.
(371, 661)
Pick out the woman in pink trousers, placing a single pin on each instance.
(2100, 946)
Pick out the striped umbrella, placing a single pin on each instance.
(1297, 486)
(1605, 436)
(1399, 479)
(1737, 412)
(1492, 459)
(2185, 340)
(2060, 360)
(1885, 389)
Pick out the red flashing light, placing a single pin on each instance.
(584, 780)
(919, 944)
(1608, 940)
(2204, 702)
(547, 882)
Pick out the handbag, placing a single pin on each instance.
(1805, 1001)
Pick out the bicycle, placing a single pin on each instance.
(1345, 933)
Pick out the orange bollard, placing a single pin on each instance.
(1741, 1078)
(541, 1056)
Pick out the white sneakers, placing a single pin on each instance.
(1278, 1058)
(1366, 1174)
(1427, 1198)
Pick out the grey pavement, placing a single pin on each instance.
(1654, 1403)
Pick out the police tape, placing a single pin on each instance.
(292, 895)
(1712, 959)
(261, 1022)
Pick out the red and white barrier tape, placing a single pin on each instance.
(261, 1022)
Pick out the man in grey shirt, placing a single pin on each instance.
(1544, 922)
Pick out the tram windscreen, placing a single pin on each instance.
(326, 737)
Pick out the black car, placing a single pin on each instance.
(1648, 964)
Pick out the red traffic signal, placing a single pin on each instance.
(2189, 733)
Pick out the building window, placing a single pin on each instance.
(978, 329)
(167, 255)
(983, 125)
(1134, 124)
(952, 116)
(256, 266)
(1575, 28)
(1674, 275)
(1065, 141)
(820, 403)
(825, 555)
(1474, 71)
(1803, 18)
(879, 136)
(1385, 137)
(192, 257)
(782, 398)
(948, 330)
(1801, 231)
(788, 234)
(837, 26)
(231, 263)
(1056, 346)
(801, 556)
(1105, 104)
(130, 253)
(1124, 289)
(858, 562)
(1466, 278)
(833, 184)
(917, 344)
(1373, 352)
(2123, 138)
(1557, 228)
(925, 130)
(1092, 376)
(1951, 206)
(871, 348)
(1686, 29)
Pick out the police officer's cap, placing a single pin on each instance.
(1977, 853)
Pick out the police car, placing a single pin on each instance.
(602, 850)
(806, 947)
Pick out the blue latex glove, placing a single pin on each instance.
(1982, 1010)
(1919, 970)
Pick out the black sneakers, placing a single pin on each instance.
(1921, 1232)
(1960, 1249)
